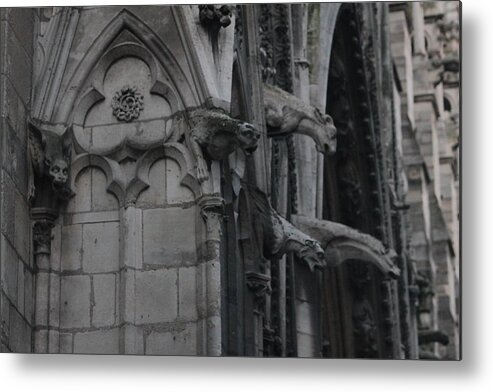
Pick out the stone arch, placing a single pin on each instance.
(115, 180)
(125, 20)
(178, 153)
(329, 13)
(160, 82)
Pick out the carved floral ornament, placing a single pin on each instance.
(127, 104)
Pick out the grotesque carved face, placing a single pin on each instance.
(248, 136)
(328, 138)
(57, 170)
(313, 254)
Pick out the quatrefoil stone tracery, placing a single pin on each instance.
(127, 104)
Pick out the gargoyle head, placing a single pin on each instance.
(49, 154)
(248, 137)
(325, 136)
(313, 254)
(57, 170)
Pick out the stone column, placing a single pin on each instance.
(47, 309)
(419, 29)
(131, 338)
(212, 213)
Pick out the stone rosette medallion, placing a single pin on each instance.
(127, 104)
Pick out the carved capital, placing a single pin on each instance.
(44, 219)
(212, 211)
(260, 285)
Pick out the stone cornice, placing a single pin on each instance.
(428, 96)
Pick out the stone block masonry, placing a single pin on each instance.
(16, 268)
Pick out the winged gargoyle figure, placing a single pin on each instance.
(212, 134)
(49, 154)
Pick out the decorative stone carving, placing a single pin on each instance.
(49, 155)
(215, 16)
(286, 114)
(44, 220)
(260, 285)
(127, 104)
(42, 236)
(280, 236)
(212, 211)
(342, 243)
(212, 134)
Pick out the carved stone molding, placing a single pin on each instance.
(286, 114)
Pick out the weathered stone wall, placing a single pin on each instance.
(17, 269)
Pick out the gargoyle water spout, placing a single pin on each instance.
(343, 243)
(280, 236)
(286, 114)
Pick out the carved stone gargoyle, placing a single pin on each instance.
(212, 134)
(286, 114)
(344, 243)
(49, 164)
(280, 236)
(215, 16)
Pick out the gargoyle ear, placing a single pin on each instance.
(36, 133)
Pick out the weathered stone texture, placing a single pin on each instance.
(101, 245)
(71, 247)
(163, 238)
(97, 342)
(187, 293)
(9, 269)
(180, 341)
(75, 301)
(16, 46)
(103, 313)
(156, 296)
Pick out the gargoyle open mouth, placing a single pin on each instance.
(250, 150)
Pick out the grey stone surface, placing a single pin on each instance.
(66, 343)
(103, 311)
(75, 301)
(97, 342)
(20, 333)
(182, 341)
(163, 238)
(156, 296)
(71, 247)
(187, 293)
(9, 269)
(101, 243)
